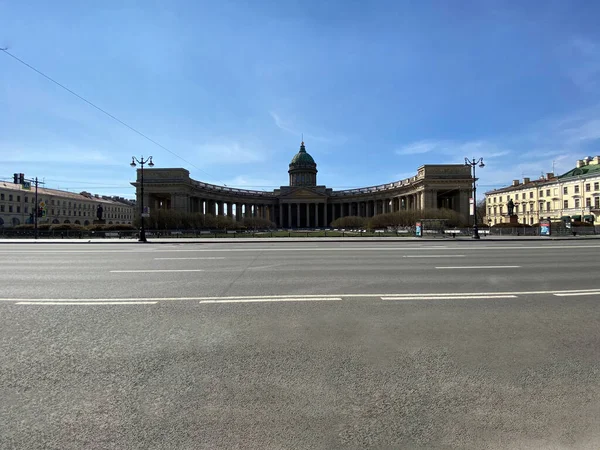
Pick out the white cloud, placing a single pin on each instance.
(455, 149)
(287, 126)
(230, 153)
(250, 182)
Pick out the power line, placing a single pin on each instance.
(5, 50)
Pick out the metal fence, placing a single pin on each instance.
(431, 232)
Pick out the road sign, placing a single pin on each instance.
(419, 229)
(42, 204)
(27, 185)
(545, 227)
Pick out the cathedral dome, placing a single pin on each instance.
(302, 158)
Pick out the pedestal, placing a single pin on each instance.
(99, 222)
(513, 220)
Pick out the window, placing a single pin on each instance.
(10, 208)
(566, 204)
(577, 203)
(26, 199)
(531, 194)
(596, 186)
(588, 202)
(588, 187)
(495, 198)
(2, 207)
(64, 212)
(495, 210)
(490, 211)
(501, 208)
(25, 209)
(565, 190)
(597, 203)
(52, 202)
(577, 189)
(500, 199)
(547, 206)
(18, 209)
(10, 197)
(516, 196)
(541, 193)
(52, 212)
(547, 192)
(18, 198)
(531, 207)
(1, 196)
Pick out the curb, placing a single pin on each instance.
(296, 240)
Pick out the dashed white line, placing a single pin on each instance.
(575, 294)
(85, 303)
(478, 267)
(271, 300)
(198, 257)
(156, 270)
(449, 297)
(433, 256)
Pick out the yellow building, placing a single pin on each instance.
(17, 204)
(575, 194)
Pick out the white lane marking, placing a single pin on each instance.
(448, 297)
(156, 270)
(193, 257)
(573, 294)
(55, 303)
(461, 247)
(308, 296)
(433, 256)
(478, 267)
(264, 300)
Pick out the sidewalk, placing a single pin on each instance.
(294, 240)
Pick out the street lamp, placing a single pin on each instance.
(474, 163)
(141, 162)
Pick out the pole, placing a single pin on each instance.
(35, 216)
(143, 230)
(475, 229)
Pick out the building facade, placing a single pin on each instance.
(17, 206)
(304, 203)
(574, 195)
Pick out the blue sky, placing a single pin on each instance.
(378, 88)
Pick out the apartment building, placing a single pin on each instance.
(573, 195)
(17, 206)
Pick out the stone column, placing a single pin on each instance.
(238, 211)
(297, 215)
(289, 215)
(316, 215)
(307, 215)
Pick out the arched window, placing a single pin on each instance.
(67, 221)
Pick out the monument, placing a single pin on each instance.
(99, 212)
(512, 217)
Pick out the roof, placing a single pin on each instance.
(63, 194)
(521, 186)
(302, 158)
(590, 169)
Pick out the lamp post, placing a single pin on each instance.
(474, 163)
(141, 162)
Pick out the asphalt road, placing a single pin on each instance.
(467, 345)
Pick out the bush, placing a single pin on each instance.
(511, 225)
(349, 222)
(254, 223)
(408, 218)
(66, 227)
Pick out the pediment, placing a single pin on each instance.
(303, 192)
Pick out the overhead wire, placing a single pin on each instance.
(93, 105)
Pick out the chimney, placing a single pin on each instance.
(526, 180)
(580, 163)
(515, 182)
(550, 175)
